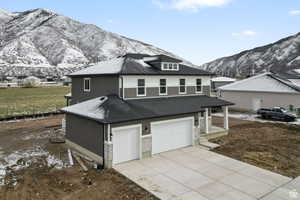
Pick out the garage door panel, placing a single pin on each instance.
(126, 144)
(171, 135)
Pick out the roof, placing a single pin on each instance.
(266, 82)
(112, 109)
(138, 64)
(289, 75)
(223, 79)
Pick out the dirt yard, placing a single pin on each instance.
(271, 146)
(37, 169)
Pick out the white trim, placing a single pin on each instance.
(87, 90)
(129, 127)
(165, 96)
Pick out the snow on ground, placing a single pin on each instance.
(23, 159)
(253, 117)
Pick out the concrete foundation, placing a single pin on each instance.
(86, 152)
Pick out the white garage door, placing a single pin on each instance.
(126, 143)
(173, 134)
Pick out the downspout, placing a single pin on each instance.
(103, 148)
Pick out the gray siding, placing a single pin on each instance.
(85, 132)
(154, 91)
(206, 90)
(100, 86)
(245, 100)
(146, 128)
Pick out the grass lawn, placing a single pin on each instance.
(20, 101)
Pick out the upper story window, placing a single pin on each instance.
(86, 84)
(165, 66)
(163, 86)
(141, 90)
(182, 86)
(198, 85)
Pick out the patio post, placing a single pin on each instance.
(225, 111)
(206, 121)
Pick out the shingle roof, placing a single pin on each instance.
(114, 109)
(137, 64)
(266, 82)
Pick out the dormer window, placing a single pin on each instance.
(169, 66)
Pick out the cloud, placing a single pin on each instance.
(294, 12)
(245, 33)
(190, 5)
(112, 21)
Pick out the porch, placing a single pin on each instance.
(210, 130)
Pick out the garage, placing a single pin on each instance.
(171, 134)
(126, 143)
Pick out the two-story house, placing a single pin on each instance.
(138, 105)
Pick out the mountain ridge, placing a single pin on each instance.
(42, 42)
(280, 56)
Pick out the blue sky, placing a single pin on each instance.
(198, 30)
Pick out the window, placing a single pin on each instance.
(165, 66)
(87, 85)
(169, 66)
(175, 67)
(162, 86)
(141, 91)
(198, 85)
(182, 86)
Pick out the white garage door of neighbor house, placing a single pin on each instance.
(173, 134)
(126, 144)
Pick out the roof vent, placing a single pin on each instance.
(102, 99)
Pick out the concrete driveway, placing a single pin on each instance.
(196, 174)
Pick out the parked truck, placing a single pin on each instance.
(277, 113)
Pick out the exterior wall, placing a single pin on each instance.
(100, 86)
(146, 130)
(244, 100)
(85, 133)
(152, 85)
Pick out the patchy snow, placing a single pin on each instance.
(253, 117)
(113, 66)
(23, 159)
(223, 79)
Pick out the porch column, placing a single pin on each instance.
(206, 121)
(225, 111)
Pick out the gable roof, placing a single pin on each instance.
(138, 64)
(266, 82)
(112, 109)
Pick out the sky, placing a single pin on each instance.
(197, 30)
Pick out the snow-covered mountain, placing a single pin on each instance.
(281, 56)
(41, 42)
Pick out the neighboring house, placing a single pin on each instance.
(262, 91)
(138, 105)
(220, 81)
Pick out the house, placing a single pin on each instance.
(220, 81)
(292, 76)
(138, 105)
(261, 91)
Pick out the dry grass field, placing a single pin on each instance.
(21, 101)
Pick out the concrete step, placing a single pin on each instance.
(209, 145)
